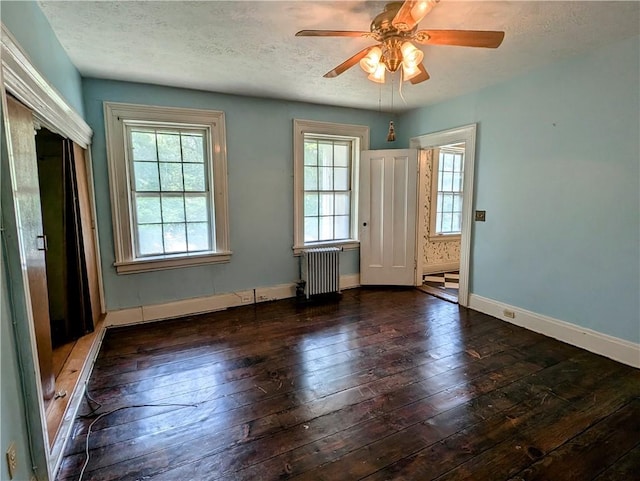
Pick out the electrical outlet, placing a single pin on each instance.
(509, 314)
(12, 460)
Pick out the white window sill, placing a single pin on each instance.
(344, 245)
(171, 262)
(444, 238)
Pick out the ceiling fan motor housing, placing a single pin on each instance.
(391, 54)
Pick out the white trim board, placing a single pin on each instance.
(438, 268)
(64, 432)
(620, 350)
(217, 302)
(29, 86)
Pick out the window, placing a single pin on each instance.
(448, 180)
(167, 170)
(325, 178)
(327, 189)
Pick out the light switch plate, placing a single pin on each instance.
(481, 215)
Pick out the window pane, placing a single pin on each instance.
(198, 236)
(341, 178)
(438, 222)
(341, 154)
(172, 208)
(342, 204)
(310, 152)
(457, 164)
(325, 178)
(446, 222)
(326, 228)
(310, 229)
(171, 177)
(447, 181)
(169, 148)
(310, 204)
(150, 239)
(341, 227)
(457, 182)
(175, 238)
(148, 209)
(439, 203)
(310, 178)
(196, 208)
(447, 203)
(325, 153)
(326, 204)
(143, 145)
(192, 148)
(457, 203)
(146, 176)
(456, 223)
(194, 177)
(448, 163)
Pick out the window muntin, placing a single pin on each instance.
(170, 190)
(450, 172)
(327, 189)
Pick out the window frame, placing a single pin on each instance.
(359, 135)
(118, 116)
(435, 172)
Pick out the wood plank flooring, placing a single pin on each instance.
(380, 384)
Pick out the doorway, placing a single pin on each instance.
(441, 221)
(54, 215)
(445, 193)
(69, 301)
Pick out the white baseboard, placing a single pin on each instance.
(218, 302)
(438, 268)
(620, 350)
(349, 281)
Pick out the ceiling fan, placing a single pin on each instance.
(395, 28)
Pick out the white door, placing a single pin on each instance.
(387, 212)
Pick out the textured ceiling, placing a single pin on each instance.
(249, 48)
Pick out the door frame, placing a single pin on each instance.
(467, 134)
(20, 78)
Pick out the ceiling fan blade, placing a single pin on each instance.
(461, 38)
(421, 77)
(332, 33)
(411, 13)
(347, 64)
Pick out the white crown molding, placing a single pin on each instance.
(22, 80)
(614, 348)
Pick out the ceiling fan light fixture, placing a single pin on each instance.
(410, 72)
(411, 13)
(371, 61)
(378, 75)
(411, 56)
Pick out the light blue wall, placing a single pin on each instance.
(30, 27)
(32, 31)
(260, 176)
(557, 170)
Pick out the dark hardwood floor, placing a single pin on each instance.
(383, 384)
